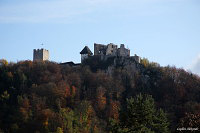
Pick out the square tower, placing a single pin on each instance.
(40, 55)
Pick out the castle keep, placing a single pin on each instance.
(40, 55)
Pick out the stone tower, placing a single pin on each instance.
(40, 54)
(85, 53)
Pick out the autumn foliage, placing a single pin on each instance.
(49, 97)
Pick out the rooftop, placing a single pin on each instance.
(86, 50)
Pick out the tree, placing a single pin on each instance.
(101, 98)
(67, 116)
(59, 130)
(145, 62)
(140, 115)
(190, 120)
(3, 62)
(160, 122)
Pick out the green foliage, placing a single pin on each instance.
(140, 115)
(59, 130)
(5, 96)
(67, 116)
(161, 124)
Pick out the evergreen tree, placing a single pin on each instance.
(140, 116)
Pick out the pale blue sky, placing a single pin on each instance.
(164, 31)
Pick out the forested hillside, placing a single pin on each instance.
(49, 97)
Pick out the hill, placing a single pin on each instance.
(96, 97)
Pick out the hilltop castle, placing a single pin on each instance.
(106, 51)
(100, 50)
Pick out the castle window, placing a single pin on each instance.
(112, 51)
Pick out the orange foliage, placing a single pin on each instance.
(101, 99)
(44, 116)
(190, 120)
(26, 103)
(9, 74)
(70, 91)
(113, 110)
(24, 113)
(73, 90)
(67, 92)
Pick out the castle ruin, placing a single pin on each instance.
(40, 55)
(100, 50)
(106, 51)
(111, 50)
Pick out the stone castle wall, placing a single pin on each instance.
(99, 49)
(111, 50)
(122, 51)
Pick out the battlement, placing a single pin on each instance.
(40, 54)
(40, 50)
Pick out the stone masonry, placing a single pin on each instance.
(106, 51)
(40, 55)
(111, 49)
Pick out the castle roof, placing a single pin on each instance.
(86, 50)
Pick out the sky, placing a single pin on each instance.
(164, 31)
